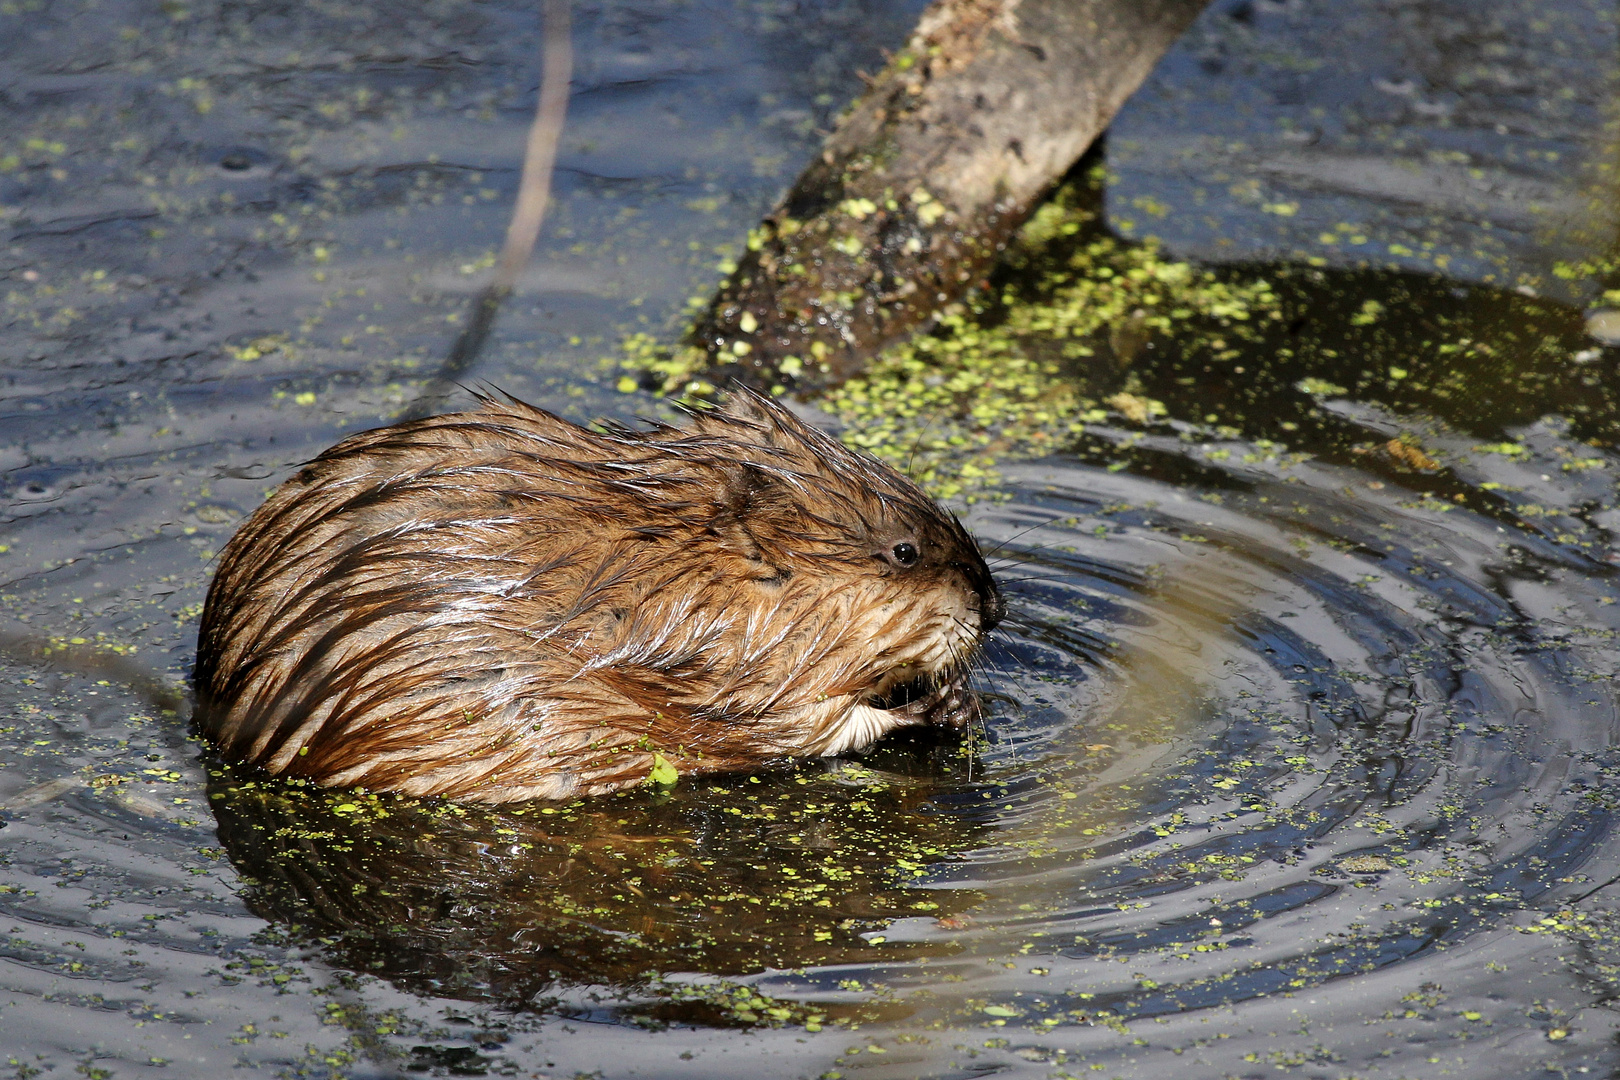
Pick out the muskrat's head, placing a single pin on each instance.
(877, 597)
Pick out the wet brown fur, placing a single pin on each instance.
(500, 605)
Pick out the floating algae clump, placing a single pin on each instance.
(1013, 376)
(1016, 372)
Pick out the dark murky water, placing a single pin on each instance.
(1301, 758)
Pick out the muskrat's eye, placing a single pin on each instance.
(906, 553)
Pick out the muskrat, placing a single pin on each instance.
(500, 605)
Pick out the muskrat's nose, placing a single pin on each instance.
(992, 608)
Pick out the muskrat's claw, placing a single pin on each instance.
(951, 704)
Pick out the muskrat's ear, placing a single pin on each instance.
(746, 489)
(746, 497)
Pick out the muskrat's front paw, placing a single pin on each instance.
(958, 706)
(949, 704)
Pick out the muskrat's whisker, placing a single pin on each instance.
(986, 555)
(1021, 557)
(984, 663)
(1024, 571)
(1023, 626)
(1027, 578)
(1036, 572)
(1021, 553)
(980, 663)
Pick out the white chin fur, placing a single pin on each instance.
(862, 725)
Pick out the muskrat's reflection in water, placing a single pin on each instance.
(724, 877)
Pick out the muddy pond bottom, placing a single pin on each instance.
(1283, 766)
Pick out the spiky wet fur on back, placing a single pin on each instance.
(500, 605)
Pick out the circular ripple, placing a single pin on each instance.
(1280, 748)
(1279, 769)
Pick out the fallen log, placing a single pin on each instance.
(922, 182)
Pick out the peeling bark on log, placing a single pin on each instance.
(924, 179)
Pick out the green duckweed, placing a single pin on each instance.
(1006, 376)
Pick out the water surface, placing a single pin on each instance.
(1299, 756)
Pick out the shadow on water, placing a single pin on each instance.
(1480, 359)
(1373, 369)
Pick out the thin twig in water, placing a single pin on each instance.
(534, 192)
(88, 661)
